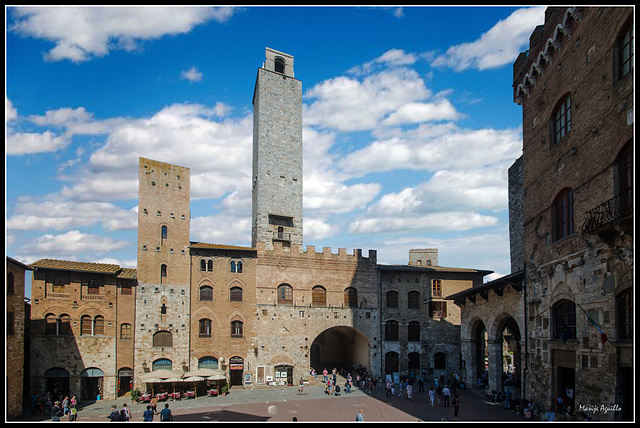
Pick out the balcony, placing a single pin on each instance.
(611, 213)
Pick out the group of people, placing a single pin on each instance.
(59, 405)
(124, 415)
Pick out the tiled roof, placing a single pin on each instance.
(220, 246)
(432, 268)
(105, 268)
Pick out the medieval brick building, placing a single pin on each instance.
(260, 315)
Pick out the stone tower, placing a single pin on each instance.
(277, 153)
(162, 297)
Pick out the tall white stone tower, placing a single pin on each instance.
(277, 153)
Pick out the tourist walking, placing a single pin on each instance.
(165, 414)
(325, 373)
(56, 412)
(446, 393)
(73, 413)
(456, 405)
(147, 416)
(432, 395)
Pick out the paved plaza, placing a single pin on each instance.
(283, 404)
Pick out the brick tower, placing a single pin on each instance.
(277, 153)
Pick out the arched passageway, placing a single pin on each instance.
(339, 347)
(511, 361)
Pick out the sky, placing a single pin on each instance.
(409, 124)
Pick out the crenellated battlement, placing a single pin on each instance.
(327, 253)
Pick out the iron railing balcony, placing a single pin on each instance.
(616, 208)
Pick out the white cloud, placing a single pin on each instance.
(498, 46)
(23, 143)
(81, 33)
(348, 104)
(192, 75)
(434, 222)
(72, 243)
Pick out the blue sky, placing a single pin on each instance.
(408, 114)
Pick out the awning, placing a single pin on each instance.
(162, 374)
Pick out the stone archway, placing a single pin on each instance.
(338, 347)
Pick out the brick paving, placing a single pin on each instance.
(282, 404)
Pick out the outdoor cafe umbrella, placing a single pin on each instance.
(194, 379)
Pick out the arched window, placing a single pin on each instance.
(561, 119)
(86, 326)
(235, 294)
(236, 266)
(161, 364)
(440, 361)
(391, 362)
(206, 293)
(205, 327)
(98, 326)
(562, 216)
(64, 325)
(125, 331)
(163, 339)
(163, 274)
(563, 314)
(285, 294)
(318, 296)
(413, 300)
(413, 332)
(163, 235)
(392, 299)
(208, 363)
(206, 265)
(93, 287)
(58, 284)
(236, 328)
(279, 65)
(351, 297)
(391, 331)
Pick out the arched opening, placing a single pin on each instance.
(339, 347)
(57, 382)
(91, 384)
(481, 356)
(511, 354)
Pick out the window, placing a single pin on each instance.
(285, 294)
(163, 274)
(391, 362)
(391, 331)
(440, 361)
(351, 297)
(564, 320)
(93, 287)
(392, 299)
(163, 235)
(98, 326)
(64, 325)
(236, 267)
(414, 331)
(206, 293)
(563, 215)
(206, 265)
(208, 363)
(562, 119)
(235, 294)
(126, 289)
(436, 287)
(10, 322)
(318, 296)
(236, 328)
(279, 65)
(413, 301)
(437, 309)
(625, 54)
(125, 331)
(58, 285)
(205, 327)
(161, 364)
(625, 178)
(86, 326)
(624, 312)
(163, 339)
